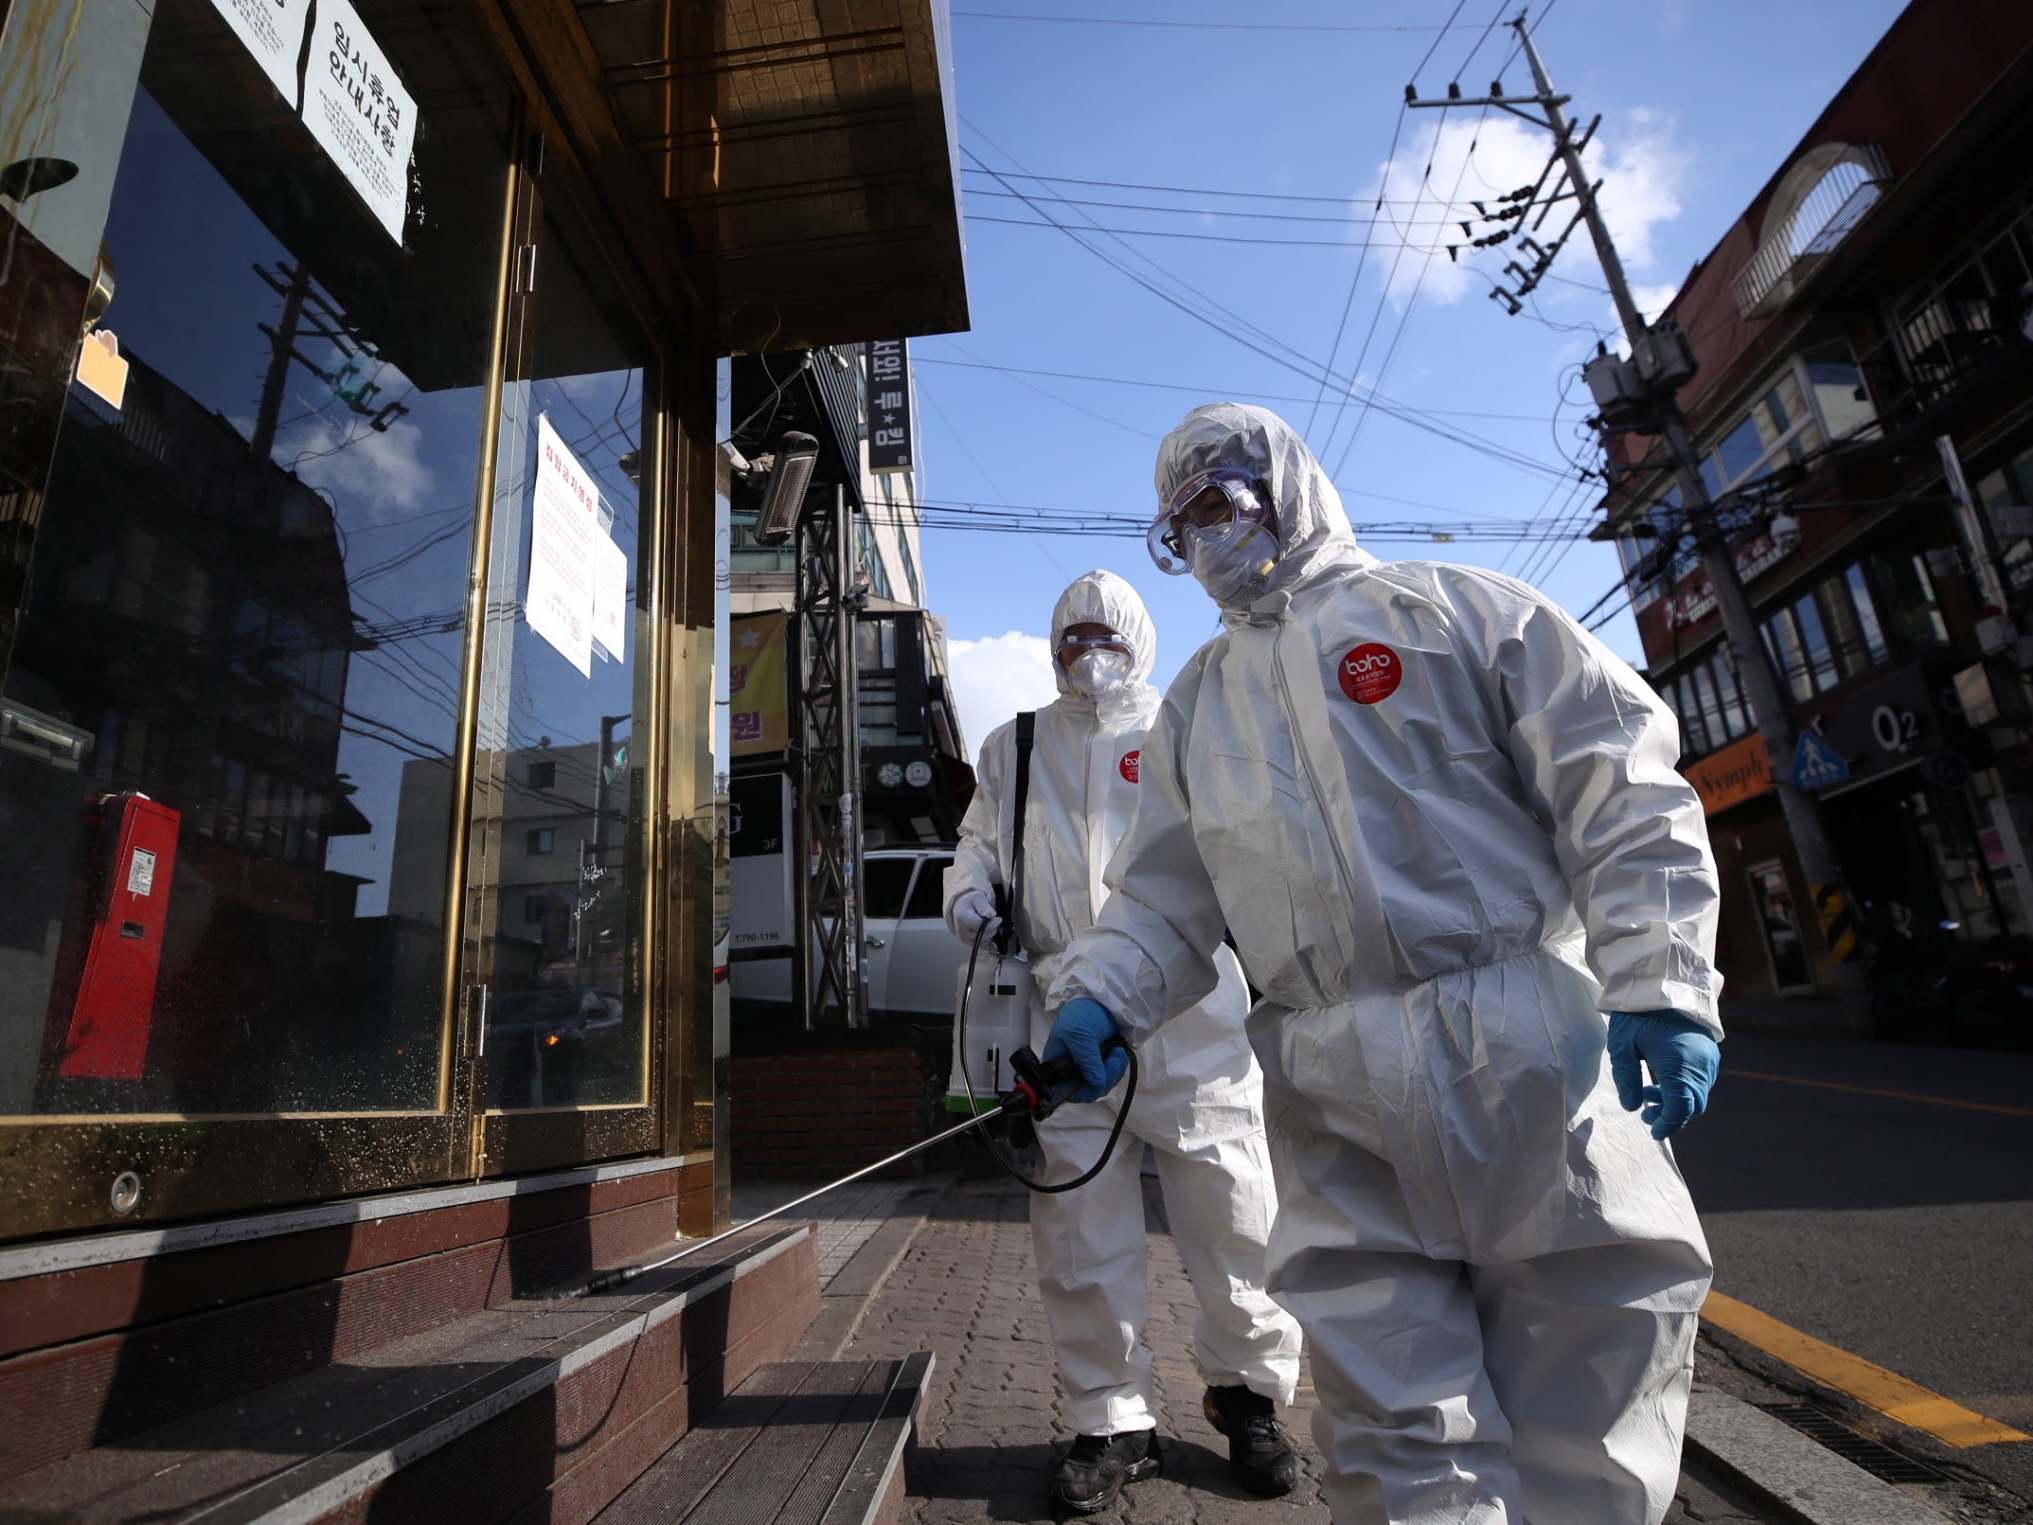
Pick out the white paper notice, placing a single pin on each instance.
(610, 597)
(359, 112)
(273, 31)
(564, 529)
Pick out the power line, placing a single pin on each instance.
(1196, 26)
(1178, 190)
(1177, 211)
(1200, 391)
(1425, 269)
(1207, 238)
(1303, 365)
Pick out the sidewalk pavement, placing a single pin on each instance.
(846, 1219)
(965, 1288)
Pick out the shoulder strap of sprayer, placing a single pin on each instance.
(1010, 896)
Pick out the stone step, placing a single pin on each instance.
(799, 1443)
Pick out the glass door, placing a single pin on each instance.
(558, 905)
(249, 321)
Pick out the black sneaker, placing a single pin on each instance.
(1093, 1472)
(1259, 1452)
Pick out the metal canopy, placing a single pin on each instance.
(808, 148)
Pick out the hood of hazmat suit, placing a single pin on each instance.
(1444, 827)
(1199, 1092)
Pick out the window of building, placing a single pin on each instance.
(1814, 643)
(540, 842)
(543, 775)
(1836, 383)
(1869, 631)
(1790, 654)
(1910, 599)
(1777, 430)
(533, 909)
(1736, 713)
(1711, 711)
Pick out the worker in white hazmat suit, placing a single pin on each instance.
(1443, 826)
(1199, 1099)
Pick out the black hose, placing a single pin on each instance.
(973, 1107)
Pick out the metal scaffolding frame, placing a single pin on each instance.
(827, 984)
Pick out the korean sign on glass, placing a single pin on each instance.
(563, 551)
(353, 101)
(273, 32)
(889, 406)
(357, 109)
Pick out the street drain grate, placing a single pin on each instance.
(1881, 1461)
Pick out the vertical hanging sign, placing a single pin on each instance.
(273, 31)
(359, 112)
(889, 407)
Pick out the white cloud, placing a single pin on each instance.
(375, 471)
(1640, 167)
(997, 676)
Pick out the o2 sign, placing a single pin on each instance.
(1894, 729)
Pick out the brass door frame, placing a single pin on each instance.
(508, 1141)
(77, 1172)
(66, 1173)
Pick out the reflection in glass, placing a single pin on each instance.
(244, 617)
(557, 768)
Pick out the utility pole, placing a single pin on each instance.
(1662, 360)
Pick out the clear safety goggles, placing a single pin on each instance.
(1072, 647)
(1235, 507)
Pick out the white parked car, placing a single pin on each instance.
(912, 961)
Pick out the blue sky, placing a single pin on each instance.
(1700, 104)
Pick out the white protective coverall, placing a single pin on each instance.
(1199, 1099)
(1444, 827)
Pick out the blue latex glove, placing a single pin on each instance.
(1078, 1031)
(1682, 1057)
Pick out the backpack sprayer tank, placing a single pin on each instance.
(998, 1012)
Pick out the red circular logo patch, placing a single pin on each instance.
(1129, 765)
(1371, 673)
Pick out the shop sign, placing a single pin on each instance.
(273, 32)
(1740, 771)
(359, 112)
(1899, 715)
(889, 407)
(758, 707)
(759, 861)
(1697, 602)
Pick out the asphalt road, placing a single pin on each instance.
(1897, 1227)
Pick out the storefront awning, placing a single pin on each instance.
(809, 150)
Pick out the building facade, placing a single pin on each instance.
(358, 490)
(1869, 305)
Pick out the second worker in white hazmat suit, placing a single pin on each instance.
(1199, 1101)
(1443, 825)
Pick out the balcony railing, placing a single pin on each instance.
(1943, 348)
(1838, 202)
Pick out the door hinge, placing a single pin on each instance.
(480, 1002)
(525, 268)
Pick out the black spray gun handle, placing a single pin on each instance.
(1044, 1085)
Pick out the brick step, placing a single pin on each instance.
(555, 1401)
(800, 1443)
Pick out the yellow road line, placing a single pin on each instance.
(1886, 1391)
(1836, 1085)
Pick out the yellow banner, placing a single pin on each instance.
(759, 713)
